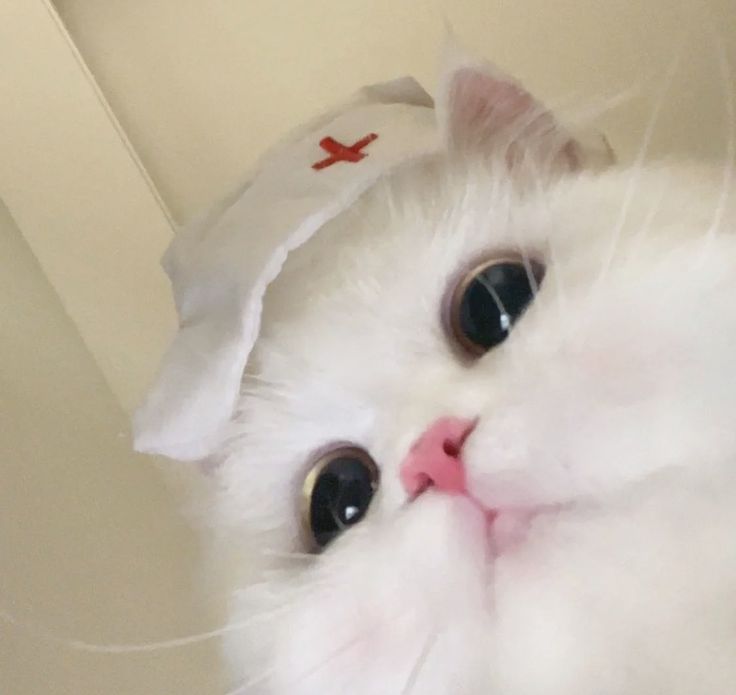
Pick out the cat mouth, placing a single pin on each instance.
(508, 528)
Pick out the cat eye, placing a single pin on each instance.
(337, 493)
(489, 299)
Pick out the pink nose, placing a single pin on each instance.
(435, 459)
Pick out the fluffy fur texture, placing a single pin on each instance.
(611, 408)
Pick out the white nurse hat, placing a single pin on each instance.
(221, 266)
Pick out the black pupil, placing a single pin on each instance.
(493, 301)
(340, 497)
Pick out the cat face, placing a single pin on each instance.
(546, 508)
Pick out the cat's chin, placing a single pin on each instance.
(386, 590)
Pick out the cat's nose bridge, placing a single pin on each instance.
(435, 459)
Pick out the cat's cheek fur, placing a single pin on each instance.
(649, 350)
(633, 600)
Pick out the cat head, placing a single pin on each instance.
(484, 443)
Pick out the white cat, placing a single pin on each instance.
(486, 442)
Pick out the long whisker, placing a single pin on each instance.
(242, 689)
(419, 664)
(638, 167)
(131, 648)
(245, 687)
(259, 378)
(727, 77)
(643, 231)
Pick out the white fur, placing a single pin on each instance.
(613, 404)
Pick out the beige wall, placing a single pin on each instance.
(77, 191)
(202, 87)
(90, 544)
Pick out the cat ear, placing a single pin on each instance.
(483, 111)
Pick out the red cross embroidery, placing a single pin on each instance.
(342, 153)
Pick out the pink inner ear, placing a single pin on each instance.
(484, 111)
(481, 103)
